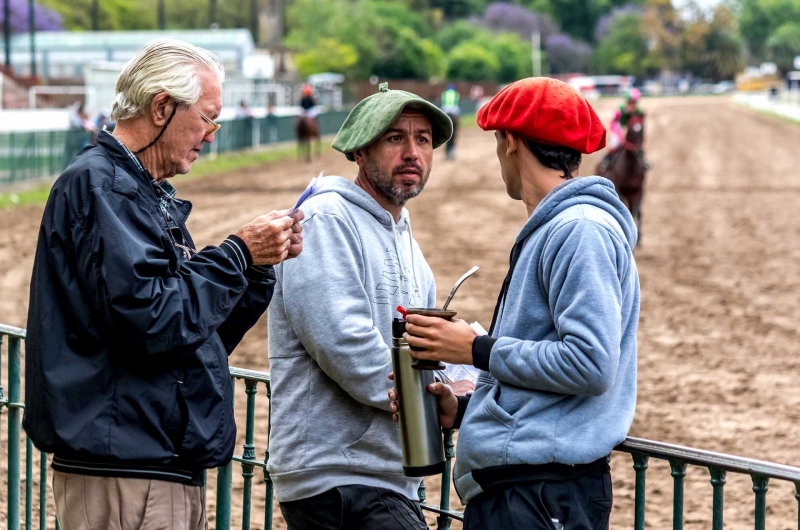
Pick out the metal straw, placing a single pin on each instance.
(469, 273)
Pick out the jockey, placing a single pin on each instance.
(307, 102)
(619, 124)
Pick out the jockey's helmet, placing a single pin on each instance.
(634, 94)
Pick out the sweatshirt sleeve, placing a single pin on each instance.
(579, 272)
(330, 311)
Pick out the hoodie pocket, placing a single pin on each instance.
(485, 433)
(494, 408)
(378, 450)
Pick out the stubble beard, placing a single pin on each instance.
(396, 195)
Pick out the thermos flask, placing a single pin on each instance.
(420, 431)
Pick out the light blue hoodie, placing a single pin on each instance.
(330, 327)
(561, 385)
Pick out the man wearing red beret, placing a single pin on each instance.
(557, 390)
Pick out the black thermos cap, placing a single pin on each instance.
(398, 328)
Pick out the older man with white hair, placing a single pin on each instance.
(130, 326)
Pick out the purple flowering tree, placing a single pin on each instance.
(46, 19)
(604, 24)
(513, 18)
(566, 55)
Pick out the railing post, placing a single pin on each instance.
(718, 482)
(42, 491)
(249, 452)
(267, 479)
(13, 432)
(12, 148)
(224, 485)
(640, 465)
(797, 496)
(28, 483)
(678, 472)
(443, 521)
(760, 487)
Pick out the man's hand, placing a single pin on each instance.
(443, 340)
(461, 388)
(269, 237)
(296, 239)
(446, 400)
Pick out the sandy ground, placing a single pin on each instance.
(719, 267)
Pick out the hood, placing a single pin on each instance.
(594, 191)
(352, 193)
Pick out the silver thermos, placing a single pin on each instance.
(420, 431)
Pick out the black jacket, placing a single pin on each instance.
(126, 365)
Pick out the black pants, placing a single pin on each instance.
(354, 508)
(582, 503)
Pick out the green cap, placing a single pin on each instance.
(374, 114)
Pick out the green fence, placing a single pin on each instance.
(31, 155)
(36, 493)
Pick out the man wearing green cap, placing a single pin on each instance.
(335, 455)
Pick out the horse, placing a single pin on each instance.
(306, 128)
(627, 169)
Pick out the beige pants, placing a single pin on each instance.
(107, 503)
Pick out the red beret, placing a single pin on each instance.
(545, 110)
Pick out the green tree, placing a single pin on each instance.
(577, 18)
(348, 22)
(402, 15)
(114, 14)
(454, 34)
(759, 20)
(470, 61)
(141, 14)
(329, 55)
(724, 45)
(434, 59)
(382, 34)
(784, 45)
(625, 50)
(513, 56)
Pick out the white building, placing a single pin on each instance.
(65, 54)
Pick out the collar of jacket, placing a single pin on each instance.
(122, 157)
(128, 176)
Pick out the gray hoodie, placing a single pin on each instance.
(329, 334)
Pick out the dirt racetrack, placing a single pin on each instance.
(719, 267)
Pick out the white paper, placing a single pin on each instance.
(309, 192)
(460, 372)
(478, 328)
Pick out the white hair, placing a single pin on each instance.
(163, 65)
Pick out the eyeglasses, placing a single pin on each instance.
(214, 125)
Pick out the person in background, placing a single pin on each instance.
(308, 102)
(272, 122)
(243, 111)
(619, 125)
(102, 123)
(557, 388)
(450, 106)
(83, 130)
